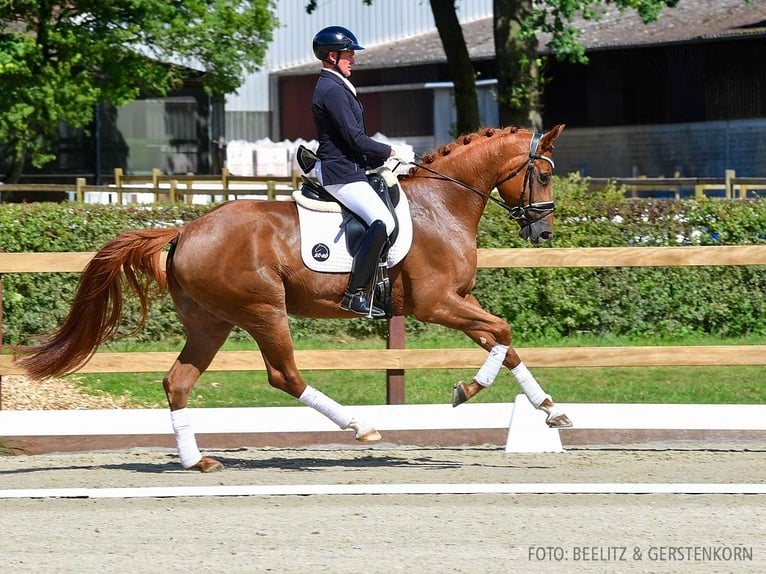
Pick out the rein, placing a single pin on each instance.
(519, 212)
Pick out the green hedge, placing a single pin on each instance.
(538, 303)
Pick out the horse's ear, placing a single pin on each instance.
(550, 137)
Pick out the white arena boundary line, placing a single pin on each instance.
(380, 489)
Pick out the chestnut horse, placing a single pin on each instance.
(240, 264)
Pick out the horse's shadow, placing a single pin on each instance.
(302, 464)
(132, 467)
(282, 463)
(309, 464)
(295, 464)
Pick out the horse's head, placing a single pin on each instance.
(527, 187)
(515, 162)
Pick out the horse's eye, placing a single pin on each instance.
(544, 178)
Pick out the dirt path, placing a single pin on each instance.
(470, 533)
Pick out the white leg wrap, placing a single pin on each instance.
(491, 367)
(321, 402)
(188, 451)
(529, 385)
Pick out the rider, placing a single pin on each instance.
(345, 152)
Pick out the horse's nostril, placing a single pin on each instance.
(546, 235)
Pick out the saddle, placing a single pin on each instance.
(355, 227)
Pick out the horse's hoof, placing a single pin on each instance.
(370, 436)
(459, 393)
(462, 392)
(363, 432)
(207, 465)
(558, 421)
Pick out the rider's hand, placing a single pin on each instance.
(403, 153)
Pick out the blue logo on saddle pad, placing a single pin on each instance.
(320, 252)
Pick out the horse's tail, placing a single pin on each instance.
(97, 308)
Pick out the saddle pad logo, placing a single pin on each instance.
(320, 252)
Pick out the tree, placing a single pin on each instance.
(518, 83)
(459, 64)
(517, 26)
(59, 59)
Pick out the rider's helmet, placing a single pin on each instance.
(334, 39)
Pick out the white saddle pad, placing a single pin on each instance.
(323, 241)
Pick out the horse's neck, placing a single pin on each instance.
(464, 188)
(451, 206)
(475, 164)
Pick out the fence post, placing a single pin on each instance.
(80, 190)
(395, 377)
(729, 175)
(271, 189)
(225, 182)
(156, 173)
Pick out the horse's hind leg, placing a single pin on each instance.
(275, 342)
(205, 335)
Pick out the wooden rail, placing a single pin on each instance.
(178, 187)
(488, 258)
(733, 187)
(396, 359)
(172, 188)
(404, 359)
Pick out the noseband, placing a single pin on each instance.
(524, 214)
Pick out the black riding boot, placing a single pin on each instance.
(365, 262)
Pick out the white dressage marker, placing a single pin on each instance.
(529, 433)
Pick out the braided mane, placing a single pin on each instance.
(466, 139)
(462, 141)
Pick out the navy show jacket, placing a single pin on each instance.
(345, 149)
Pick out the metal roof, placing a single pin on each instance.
(689, 21)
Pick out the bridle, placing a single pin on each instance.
(539, 209)
(524, 214)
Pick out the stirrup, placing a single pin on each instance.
(358, 302)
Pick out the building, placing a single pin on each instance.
(683, 95)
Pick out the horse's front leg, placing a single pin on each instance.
(535, 394)
(494, 335)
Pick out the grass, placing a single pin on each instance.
(726, 384)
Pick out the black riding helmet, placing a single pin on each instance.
(334, 39)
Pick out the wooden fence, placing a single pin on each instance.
(730, 186)
(174, 188)
(396, 359)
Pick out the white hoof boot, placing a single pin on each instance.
(556, 417)
(363, 431)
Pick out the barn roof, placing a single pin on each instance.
(690, 21)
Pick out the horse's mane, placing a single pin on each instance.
(462, 141)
